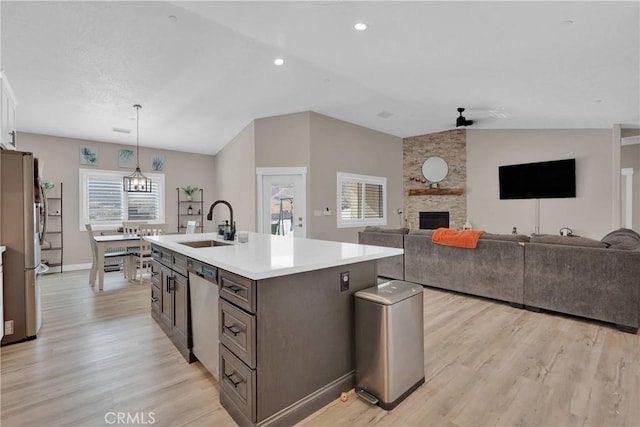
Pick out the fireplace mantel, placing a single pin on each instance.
(436, 191)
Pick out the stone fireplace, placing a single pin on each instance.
(451, 146)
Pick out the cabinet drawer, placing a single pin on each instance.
(166, 258)
(179, 263)
(238, 383)
(156, 301)
(237, 331)
(156, 277)
(238, 290)
(156, 253)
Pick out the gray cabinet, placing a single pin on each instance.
(237, 332)
(170, 298)
(287, 343)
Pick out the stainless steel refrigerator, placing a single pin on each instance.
(22, 228)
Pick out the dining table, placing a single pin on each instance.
(113, 241)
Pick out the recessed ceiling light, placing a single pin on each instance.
(173, 19)
(567, 22)
(360, 26)
(278, 61)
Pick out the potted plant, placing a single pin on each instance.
(189, 190)
(48, 185)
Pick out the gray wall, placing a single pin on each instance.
(325, 146)
(589, 214)
(338, 146)
(283, 141)
(235, 177)
(61, 162)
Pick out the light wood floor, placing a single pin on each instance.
(486, 363)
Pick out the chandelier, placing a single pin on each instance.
(137, 182)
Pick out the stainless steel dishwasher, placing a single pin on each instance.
(203, 283)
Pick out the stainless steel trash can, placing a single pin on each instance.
(389, 342)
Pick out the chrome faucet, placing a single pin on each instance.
(232, 223)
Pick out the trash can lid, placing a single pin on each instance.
(390, 292)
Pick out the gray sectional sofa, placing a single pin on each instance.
(597, 282)
(594, 279)
(495, 269)
(392, 267)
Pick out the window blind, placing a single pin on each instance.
(105, 205)
(361, 200)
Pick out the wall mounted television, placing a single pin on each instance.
(542, 180)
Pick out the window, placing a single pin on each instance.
(104, 204)
(362, 200)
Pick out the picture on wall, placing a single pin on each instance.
(126, 159)
(157, 162)
(88, 155)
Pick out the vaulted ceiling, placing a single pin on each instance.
(204, 70)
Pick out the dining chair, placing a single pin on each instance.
(132, 227)
(142, 255)
(124, 256)
(191, 227)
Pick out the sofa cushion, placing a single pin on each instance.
(623, 238)
(505, 237)
(371, 229)
(553, 239)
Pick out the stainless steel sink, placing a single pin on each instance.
(205, 243)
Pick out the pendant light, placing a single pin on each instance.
(137, 182)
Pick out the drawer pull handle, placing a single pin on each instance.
(233, 383)
(231, 329)
(235, 289)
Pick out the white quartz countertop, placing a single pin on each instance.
(265, 256)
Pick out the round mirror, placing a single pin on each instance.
(435, 169)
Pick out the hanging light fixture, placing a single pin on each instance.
(137, 182)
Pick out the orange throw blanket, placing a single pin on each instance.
(461, 239)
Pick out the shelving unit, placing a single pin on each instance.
(197, 211)
(52, 254)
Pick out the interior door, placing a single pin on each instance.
(284, 205)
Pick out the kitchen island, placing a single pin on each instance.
(285, 316)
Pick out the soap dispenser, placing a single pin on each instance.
(189, 210)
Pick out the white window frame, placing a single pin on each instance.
(364, 179)
(83, 196)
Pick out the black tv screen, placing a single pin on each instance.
(542, 180)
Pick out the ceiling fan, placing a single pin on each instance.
(462, 120)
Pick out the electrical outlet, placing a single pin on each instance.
(344, 281)
(8, 327)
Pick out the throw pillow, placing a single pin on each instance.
(552, 239)
(623, 238)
